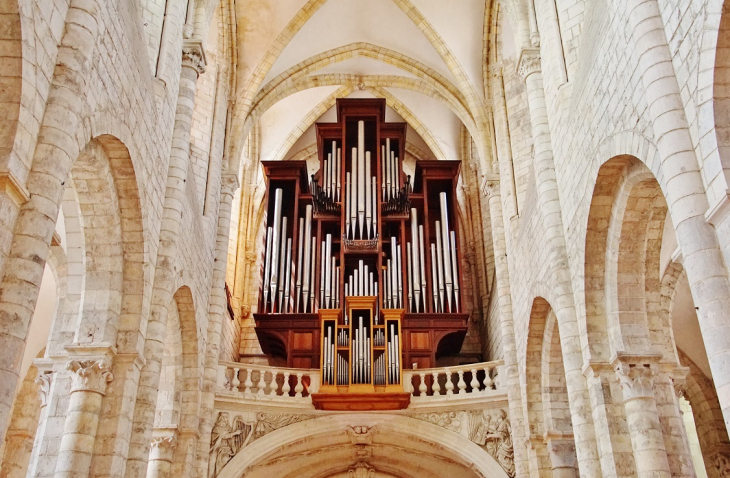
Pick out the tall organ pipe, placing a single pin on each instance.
(368, 197)
(312, 292)
(267, 267)
(416, 255)
(322, 275)
(386, 160)
(399, 274)
(456, 272)
(327, 271)
(287, 277)
(308, 256)
(282, 265)
(434, 280)
(409, 271)
(298, 289)
(353, 190)
(339, 172)
(275, 245)
(447, 248)
(361, 176)
(422, 251)
(440, 266)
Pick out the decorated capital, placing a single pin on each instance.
(90, 375)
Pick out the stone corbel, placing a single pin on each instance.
(561, 447)
(193, 55)
(12, 188)
(529, 62)
(636, 373)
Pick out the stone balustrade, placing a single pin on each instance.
(261, 381)
(465, 381)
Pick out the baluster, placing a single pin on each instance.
(436, 387)
(248, 383)
(300, 387)
(262, 383)
(422, 385)
(235, 382)
(474, 382)
(487, 379)
(462, 383)
(274, 384)
(449, 384)
(286, 388)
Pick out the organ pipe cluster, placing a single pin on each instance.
(304, 289)
(331, 183)
(393, 355)
(330, 353)
(278, 266)
(361, 214)
(445, 274)
(390, 166)
(362, 282)
(360, 352)
(393, 278)
(329, 279)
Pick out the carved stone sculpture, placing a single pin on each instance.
(226, 441)
(494, 435)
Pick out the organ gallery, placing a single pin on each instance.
(361, 269)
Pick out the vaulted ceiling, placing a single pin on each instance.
(426, 57)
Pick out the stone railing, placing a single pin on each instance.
(463, 381)
(260, 381)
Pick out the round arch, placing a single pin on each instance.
(412, 440)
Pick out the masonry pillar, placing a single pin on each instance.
(44, 381)
(216, 313)
(564, 307)
(161, 451)
(682, 183)
(54, 155)
(669, 385)
(637, 375)
(563, 460)
(503, 141)
(89, 381)
(507, 329)
(193, 65)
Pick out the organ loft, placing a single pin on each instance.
(361, 273)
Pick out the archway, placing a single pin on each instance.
(331, 445)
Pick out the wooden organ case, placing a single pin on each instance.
(361, 273)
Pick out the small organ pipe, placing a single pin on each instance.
(333, 284)
(409, 271)
(447, 248)
(393, 276)
(282, 257)
(373, 188)
(326, 175)
(361, 176)
(287, 277)
(339, 172)
(386, 160)
(399, 275)
(455, 271)
(308, 256)
(337, 288)
(382, 170)
(298, 289)
(393, 174)
(366, 283)
(322, 275)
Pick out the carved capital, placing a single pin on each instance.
(529, 62)
(679, 380)
(636, 373)
(90, 375)
(162, 448)
(44, 380)
(193, 56)
(229, 184)
(562, 453)
(490, 188)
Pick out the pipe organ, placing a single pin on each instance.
(361, 262)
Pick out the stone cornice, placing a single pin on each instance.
(12, 188)
(529, 62)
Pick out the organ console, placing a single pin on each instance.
(361, 271)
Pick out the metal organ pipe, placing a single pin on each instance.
(311, 289)
(409, 271)
(368, 196)
(353, 197)
(456, 272)
(416, 255)
(287, 278)
(440, 267)
(307, 256)
(267, 266)
(361, 176)
(275, 245)
(298, 287)
(282, 265)
(422, 253)
(447, 248)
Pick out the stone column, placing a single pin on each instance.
(563, 460)
(44, 380)
(193, 64)
(55, 152)
(216, 313)
(637, 375)
(507, 329)
(679, 175)
(564, 306)
(161, 451)
(503, 141)
(669, 386)
(89, 381)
